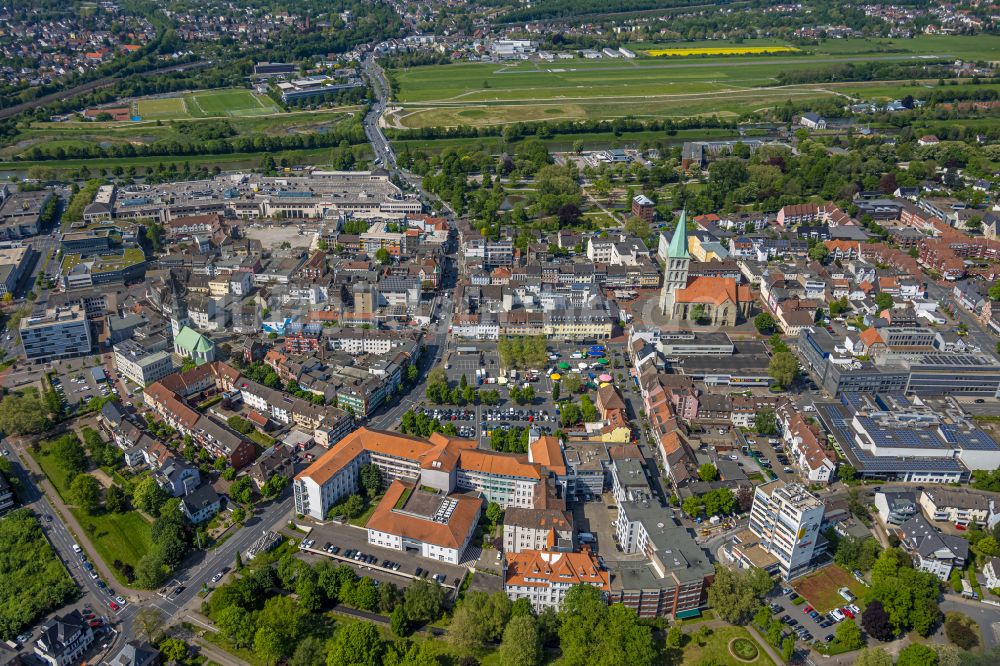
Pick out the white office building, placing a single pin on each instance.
(786, 519)
(140, 365)
(62, 332)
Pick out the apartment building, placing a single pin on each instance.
(933, 551)
(64, 639)
(785, 519)
(544, 577)
(430, 524)
(62, 332)
(443, 463)
(140, 365)
(960, 506)
(537, 529)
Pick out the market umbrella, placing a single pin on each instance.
(555, 376)
(605, 378)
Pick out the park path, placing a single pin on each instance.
(217, 654)
(68, 519)
(764, 644)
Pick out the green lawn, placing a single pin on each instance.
(232, 102)
(716, 648)
(821, 588)
(162, 108)
(124, 537)
(498, 93)
(54, 471)
(117, 536)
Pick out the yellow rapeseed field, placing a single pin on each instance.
(722, 50)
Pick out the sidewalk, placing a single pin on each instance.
(68, 519)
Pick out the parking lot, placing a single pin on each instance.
(76, 384)
(348, 537)
(777, 456)
(797, 618)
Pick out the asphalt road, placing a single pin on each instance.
(59, 536)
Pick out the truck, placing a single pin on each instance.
(576, 355)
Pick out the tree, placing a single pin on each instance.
(764, 323)
(846, 472)
(960, 632)
(787, 648)
(876, 621)
(310, 651)
(267, 645)
(883, 301)
(150, 572)
(819, 252)
(873, 657)
(383, 257)
(242, 490)
(148, 496)
(570, 414)
(849, 635)
(783, 368)
(735, 595)
(69, 453)
(114, 499)
(423, 601)
(708, 472)
(675, 637)
(766, 422)
(587, 409)
(371, 479)
(720, 501)
(173, 650)
(23, 414)
(85, 492)
(520, 645)
(916, 654)
(479, 619)
(356, 644)
(494, 513)
(398, 622)
(693, 506)
(354, 506)
(591, 632)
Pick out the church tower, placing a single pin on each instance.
(675, 271)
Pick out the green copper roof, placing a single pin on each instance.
(679, 243)
(192, 341)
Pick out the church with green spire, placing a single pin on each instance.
(717, 301)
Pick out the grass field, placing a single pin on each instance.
(117, 536)
(820, 588)
(161, 108)
(716, 649)
(701, 82)
(720, 50)
(232, 102)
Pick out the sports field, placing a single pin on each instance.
(700, 82)
(232, 102)
(160, 108)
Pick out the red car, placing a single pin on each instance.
(807, 609)
(112, 605)
(95, 624)
(847, 612)
(89, 616)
